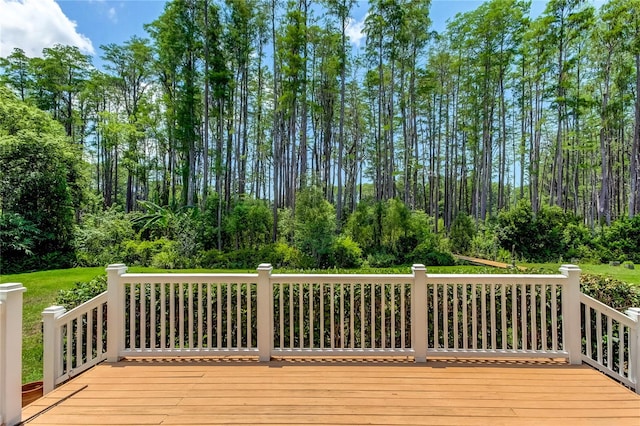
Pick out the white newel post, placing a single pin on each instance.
(571, 313)
(115, 312)
(51, 347)
(419, 313)
(265, 322)
(634, 348)
(11, 353)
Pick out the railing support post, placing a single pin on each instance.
(115, 312)
(571, 313)
(265, 312)
(419, 313)
(11, 353)
(51, 347)
(634, 348)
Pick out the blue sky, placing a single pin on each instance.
(88, 24)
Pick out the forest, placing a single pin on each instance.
(242, 131)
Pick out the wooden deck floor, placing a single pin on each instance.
(337, 392)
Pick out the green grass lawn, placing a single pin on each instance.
(42, 289)
(631, 276)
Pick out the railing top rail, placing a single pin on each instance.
(83, 308)
(496, 278)
(342, 278)
(607, 310)
(186, 277)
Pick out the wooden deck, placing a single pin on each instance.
(337, 392)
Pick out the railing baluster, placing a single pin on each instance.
(514, 317)
(132, 316)
(393, 316)
(456, 343)
(588, 330)
(465, 319)
(219, 316)
(621, 348)
(209, 317)
(238, 315)
(342, 324)
(332, 309)
(362, 318)
(492, 305)
(143, 317)
(351, 316)
(383, 311)
(311, 323)
(229, 316)
(153, 326)
(373, 316)
(181, 315)
(436, 315)
(483, 307)
(445, 316)
(543, 316)
(291, 323)
(599, 335)
(281, 315)
(503, 315)
(523, 316)
(321, 316)
(200, 318)
(89, 336)
(249, 316)
(609, 342)
(474, 316)
(301, 287)
(534, 325)
(172, 316)
(554, 316)
(163, 316)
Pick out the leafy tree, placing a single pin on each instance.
(462, 231)
(42, 178)
(315, 220)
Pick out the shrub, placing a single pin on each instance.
(462, 232)
(346, 253)
(81, 292)
(617, 294)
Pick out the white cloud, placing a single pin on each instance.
(354, 31)
(113, 15)
(35, 24)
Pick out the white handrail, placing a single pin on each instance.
(610, 340)
(417, 314)
(73, 341)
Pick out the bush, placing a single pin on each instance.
(621, 241)
(82, 292)
(462, 232)
(346, 253)
(141, 253)
(99, 241)
(617, 294)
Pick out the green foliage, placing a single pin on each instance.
(250, 223)
(549, 235)
(102, 237)
(41, 180)
(462, 232)
(615, 293)
(346, 253)
(621, 241)
(82, 291)
(18, 236)
(315, 220)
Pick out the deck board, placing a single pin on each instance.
(338, 392)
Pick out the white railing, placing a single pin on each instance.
(419, 315)
(73, 341)
(610, 340)
(11, 353)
